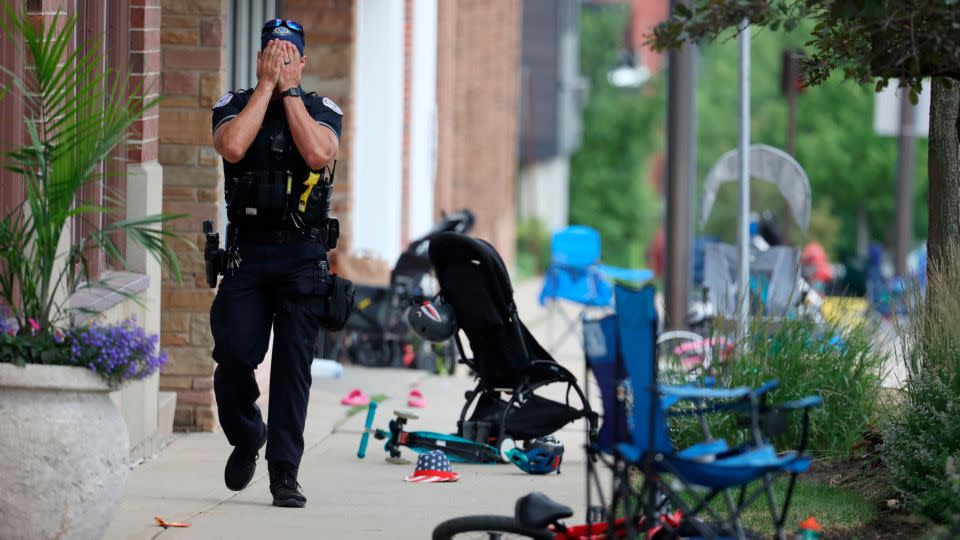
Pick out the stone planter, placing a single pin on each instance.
(63, 453)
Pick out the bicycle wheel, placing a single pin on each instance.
(486, 528)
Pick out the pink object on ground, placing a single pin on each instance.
(354, 398)
(416, 400)
(689, 351)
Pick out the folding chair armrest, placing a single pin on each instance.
(700, 393)
(766, 387)
(638, 275)
(802, 403)
(674, 396)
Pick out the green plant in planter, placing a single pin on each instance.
(75, 115)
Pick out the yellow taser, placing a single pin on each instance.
(311, 181)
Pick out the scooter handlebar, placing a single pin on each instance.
(371, 412)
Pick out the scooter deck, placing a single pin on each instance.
(456, 448)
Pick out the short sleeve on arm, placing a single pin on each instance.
(226, 108)
(326, 112)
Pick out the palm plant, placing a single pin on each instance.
(75, 115)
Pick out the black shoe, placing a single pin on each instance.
(241, 465)
(284, 487)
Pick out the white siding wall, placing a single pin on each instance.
(378, 141)
(423, 117)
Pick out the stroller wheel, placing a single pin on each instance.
(397, 460)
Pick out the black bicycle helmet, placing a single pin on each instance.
(433, 321)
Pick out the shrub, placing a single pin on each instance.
(923, 434)
(806, 359)
(533, 246)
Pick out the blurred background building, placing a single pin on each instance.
(552, 96)
(432, 94)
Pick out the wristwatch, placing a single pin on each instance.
(295, 91)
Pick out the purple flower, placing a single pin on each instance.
(118, 352)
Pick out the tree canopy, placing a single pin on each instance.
(848, 165)
(862, 39)
(622, 131)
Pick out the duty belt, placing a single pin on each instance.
(327, 233)
(283, 236)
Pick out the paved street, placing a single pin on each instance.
(348, 497)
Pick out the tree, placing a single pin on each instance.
(848, 164)
(609, 173)
(865, 41)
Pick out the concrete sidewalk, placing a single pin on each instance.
(347, 497)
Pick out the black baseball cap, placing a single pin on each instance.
(284, 29)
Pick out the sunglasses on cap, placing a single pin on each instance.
(292, 25)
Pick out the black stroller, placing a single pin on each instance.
(376, 334)
(506, 358)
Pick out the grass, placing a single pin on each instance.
(799, 353)
(836, 508)
(379, 398)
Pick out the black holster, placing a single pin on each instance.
(213, 255)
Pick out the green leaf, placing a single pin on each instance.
(75, 114)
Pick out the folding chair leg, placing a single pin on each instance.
(571, 325)
(781, 519)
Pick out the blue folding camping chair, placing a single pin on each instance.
(576, 275)
(712, 466)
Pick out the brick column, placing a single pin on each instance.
(145, 73)
(477, 95)
(407, 84)
(193, 75)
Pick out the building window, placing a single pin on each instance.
(245, 18)
(105, 24)
(11, 131)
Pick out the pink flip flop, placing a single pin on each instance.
(355, 398)
(416, 400)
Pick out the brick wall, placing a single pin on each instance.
(479, 55)
(408, 30)
(446, 90)
(193, 75)
(145, 73)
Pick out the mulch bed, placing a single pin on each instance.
(887, 527)
(864, 475)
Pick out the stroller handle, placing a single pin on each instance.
(371, 412)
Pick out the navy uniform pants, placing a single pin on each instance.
(280, 286)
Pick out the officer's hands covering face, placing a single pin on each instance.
(291, 72)
(269, 63)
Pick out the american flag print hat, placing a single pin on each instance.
(433, 467)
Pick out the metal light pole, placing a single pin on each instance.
(791, 75)
(681, 171)
(743, 238)
(904, 220)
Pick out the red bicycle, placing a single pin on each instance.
(538, 517)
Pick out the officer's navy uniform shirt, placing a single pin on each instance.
(260, 156)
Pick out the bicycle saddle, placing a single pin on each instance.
(536, 511)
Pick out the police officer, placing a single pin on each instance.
(277, 143)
